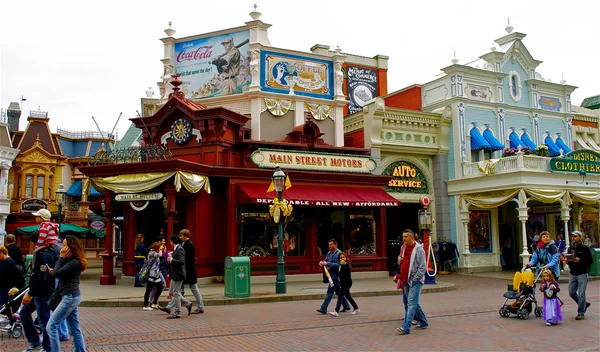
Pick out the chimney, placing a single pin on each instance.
(13, 113)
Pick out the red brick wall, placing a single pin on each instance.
(407, 99)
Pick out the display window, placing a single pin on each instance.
(479, 231)
(354, 230)
(258, 233)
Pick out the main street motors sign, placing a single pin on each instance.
(136, 197)
(577, 161)
(268, 158)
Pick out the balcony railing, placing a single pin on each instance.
(130, 155)
(519, 162)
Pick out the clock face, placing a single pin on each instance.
(181, 131)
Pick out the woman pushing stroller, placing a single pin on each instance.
(545, 256)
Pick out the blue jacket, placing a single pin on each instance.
(548, 256)
(333, 263)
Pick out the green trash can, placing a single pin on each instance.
(595, 269)
(237, 277)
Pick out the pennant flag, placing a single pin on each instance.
(271, 187)
(288, 184)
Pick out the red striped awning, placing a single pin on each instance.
(250, 193)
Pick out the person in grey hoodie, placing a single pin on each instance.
(412, 276)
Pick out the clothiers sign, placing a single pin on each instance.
(407, 178)
(268, 158)
(577, 161)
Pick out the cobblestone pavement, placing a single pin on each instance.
(462, 320)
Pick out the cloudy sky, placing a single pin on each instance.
(78, 59)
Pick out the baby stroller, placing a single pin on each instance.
(11, 324)
(523, 292)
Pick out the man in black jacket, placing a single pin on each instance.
(579, 264)
(9, 275)
(190, 269)
(13, 250)
(178, 272)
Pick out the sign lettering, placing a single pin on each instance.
(33, 205)
(331, 203)
(407, 178)
(268, 158)
(577, 161)
(134, 197)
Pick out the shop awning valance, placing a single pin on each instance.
(528, 142)
(494, 143)
(65, 230)
(562, 145)
(515, 141)
(75, 190)
(250, 193)
(477, 140)
(494, 199)
(135, 183)
(553, 149)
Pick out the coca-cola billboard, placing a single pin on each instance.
(214, 66)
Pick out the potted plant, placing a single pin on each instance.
(527, 151)
(541, 150)
(509, 152)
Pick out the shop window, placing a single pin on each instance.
(258, 233)
(515, 86)
(480, 239)
(40, 187)
(354, 229)
(28, 186)
(589, 228)
(50, 186)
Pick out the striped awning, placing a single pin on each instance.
(562, 145)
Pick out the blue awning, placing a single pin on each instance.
(515, 141)
(562, 145)
(494, 143)
(528, 142)
(553, 149)
(477, 140)
(75, 190)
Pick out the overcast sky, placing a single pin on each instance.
(78, 59)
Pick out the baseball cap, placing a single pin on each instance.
(44, 214)
(576, 233)
(227, 40)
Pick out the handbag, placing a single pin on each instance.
(143, 275)
(54, 300)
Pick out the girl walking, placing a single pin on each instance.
(68, 269)
(345, 273)
(549, 288)
(154, 287)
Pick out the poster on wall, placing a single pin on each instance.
(214, 66)
(362, 87)
(305, 76)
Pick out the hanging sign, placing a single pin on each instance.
(287, 159)
(138, 197)
(139, 205)
(577, 161)
(33, 205)
(362, 87)
(407, 178)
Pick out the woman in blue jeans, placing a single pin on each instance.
(68, 270)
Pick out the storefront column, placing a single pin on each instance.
(523, 217)
(464, 219)
(108, 277)
(170, 211)
(565, 216)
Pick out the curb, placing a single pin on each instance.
(269, 298)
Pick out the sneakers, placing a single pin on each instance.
(402, 331)
(334, 314)
(154, 306)
(548, 323)
(147, 308)
(587, 305)
(356, 311)
(198, 311)
(164, 309)
(173, 316)
(580, 317)
(421, 326)
(321, 311)
(37, 347)
(344, 310)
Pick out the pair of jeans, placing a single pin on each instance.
(197, 295)
(330, 290)
(577, 287)
(344, 296)
(153, 291)
(411, 296)
(63, 331)
(176, 299)
(68, 311)
(43, 312)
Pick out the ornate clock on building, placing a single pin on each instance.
(181, 131)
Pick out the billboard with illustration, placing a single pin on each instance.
(214, 66)
(306, 76)
(362, 87)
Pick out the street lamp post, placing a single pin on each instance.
(280, 284)
(425, 224)
(60, 195)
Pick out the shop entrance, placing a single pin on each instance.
(398, 219)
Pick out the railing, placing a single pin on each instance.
(84, 134)
(38, 113)
(130, 155)
(519, 162)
